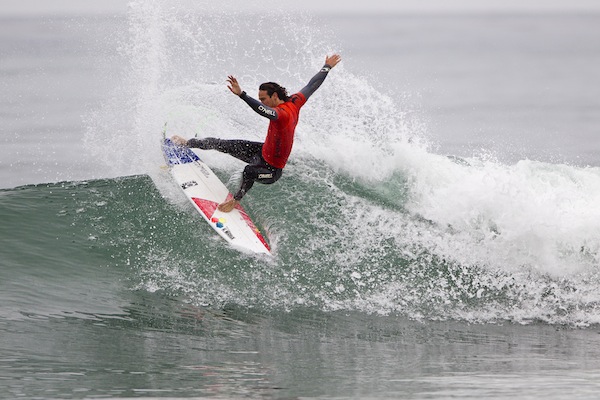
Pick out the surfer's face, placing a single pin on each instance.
(269, 101)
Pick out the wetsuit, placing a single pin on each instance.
(266, 160)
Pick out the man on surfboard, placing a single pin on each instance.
(265, 160)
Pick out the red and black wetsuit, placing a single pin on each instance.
(266, 160)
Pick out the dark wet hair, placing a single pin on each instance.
(272, 87)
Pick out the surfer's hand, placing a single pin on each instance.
(333, 60)
(228, 205)
(178, 140)
(234, 86)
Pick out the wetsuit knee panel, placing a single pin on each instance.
(261, 174)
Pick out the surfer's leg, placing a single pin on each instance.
(257, 173)
(244, 150)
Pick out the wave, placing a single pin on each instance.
(339, 245)
(366, 216)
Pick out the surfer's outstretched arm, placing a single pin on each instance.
(317, 80)
(259, 107)
(256, 105)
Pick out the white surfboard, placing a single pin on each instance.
(206, 191)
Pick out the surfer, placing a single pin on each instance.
(265, 160)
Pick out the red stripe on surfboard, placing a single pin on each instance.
(206, 206)
(249, 222)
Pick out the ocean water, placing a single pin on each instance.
(436, 233)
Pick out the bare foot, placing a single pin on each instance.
(228, 205)
(178, 140)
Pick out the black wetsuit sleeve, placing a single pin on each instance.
(259, 107)
(315, 82)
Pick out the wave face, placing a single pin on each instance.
(339, 245)
(366, 216)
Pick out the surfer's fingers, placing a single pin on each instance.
(333, 60)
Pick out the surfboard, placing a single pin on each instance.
(206, 191)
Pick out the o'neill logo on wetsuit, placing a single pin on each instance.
(265, 176)
(266, 110)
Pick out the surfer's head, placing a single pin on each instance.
(271, 94)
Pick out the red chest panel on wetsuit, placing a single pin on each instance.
(280, 136)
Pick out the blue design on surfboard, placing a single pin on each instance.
(178, 154)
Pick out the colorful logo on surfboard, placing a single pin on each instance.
(219, 222)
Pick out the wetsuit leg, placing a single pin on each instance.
(257, 170)
(260, 172)
(244, 150)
